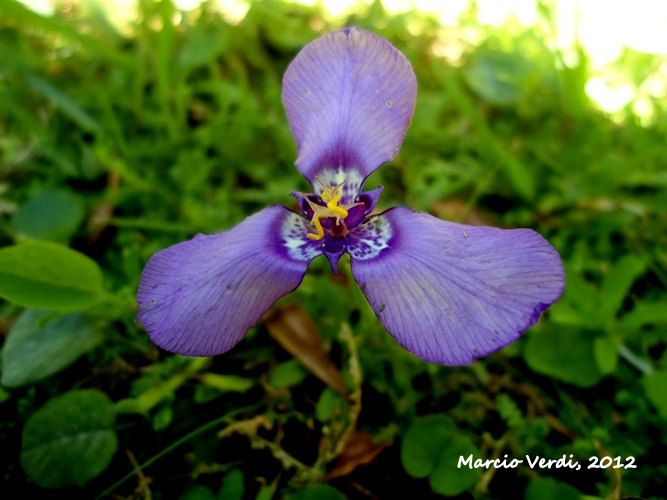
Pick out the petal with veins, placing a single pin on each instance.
(349, 97)
(200, 297)
(450, 293)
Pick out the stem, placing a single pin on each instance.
(640, 364)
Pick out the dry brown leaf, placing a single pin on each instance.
(293, 329)
(359, 450)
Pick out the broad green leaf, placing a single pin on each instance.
(49, 276)
(423, 444)
(547, 488)
(654, 385)
(42, 343)
(447, 478)
(70, 439)
(51, 215)
(563, 352)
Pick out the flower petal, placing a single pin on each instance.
(200, 297)
(451, 293)
(349, 97)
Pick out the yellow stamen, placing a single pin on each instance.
(320, 212)
(318, 228)
(330, 196)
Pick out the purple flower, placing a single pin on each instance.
(446, 292)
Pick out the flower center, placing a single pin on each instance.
(330, 196)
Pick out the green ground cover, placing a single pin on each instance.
(115, 144)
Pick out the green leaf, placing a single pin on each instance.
(51, 215)
(606, 354)
(63, 102)
(41, 344)
(49, 276)
(447, 478)
(227, 383)
(70, 439)
(499, 77)
(423, 444)
(329, 404)
(232, 486)
(265, 493)
(579, 304)
(287, 374)
(197, 492)
(162, 418)
(654, 385)
(644, 313)
(563, 352)
(616, 286)
(4, 395)
(547, 488)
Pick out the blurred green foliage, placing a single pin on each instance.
(117, 143)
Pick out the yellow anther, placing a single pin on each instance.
(330, 196)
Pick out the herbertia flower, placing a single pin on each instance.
(447, 292)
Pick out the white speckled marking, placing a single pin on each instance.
(350, 190)
(371, 238)
(293, 232)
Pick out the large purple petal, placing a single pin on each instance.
(451, 293)
(201, 296)
(349, 97)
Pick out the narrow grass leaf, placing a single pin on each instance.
(63, 102)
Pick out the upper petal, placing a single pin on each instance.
(451, 293)
(349, 97)
(201, 296)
